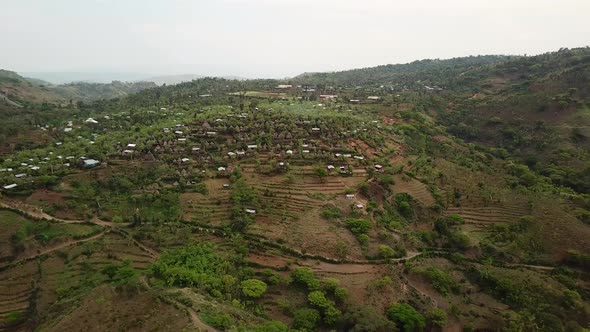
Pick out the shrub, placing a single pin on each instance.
(194, 265)
(459, 241)
(403, 203)
(365, 319)
(340, 294)
(330, 284)
(386, 251)
(437, 317)
(326, 306)
(13, 317)
(331, 212)
(121, 275)
(363, 239)
(253, 287)
(332, 315)
(306, 277)
(406, 317)
(272, 326)
(306, 319)
(440, 280)
(358, 226)
(218, 320)
(318, 299)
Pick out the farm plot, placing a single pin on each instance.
(417, 189)
(485, 216)
(213, 208)
(16, 289)
(10, 223)
(291, 214)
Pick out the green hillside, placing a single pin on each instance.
(441, 195)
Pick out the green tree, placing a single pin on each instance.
(253, 287)
(366, 319)
(306, 277)
(306, 319)
(321, 173)
(437, 317)
(406, 317)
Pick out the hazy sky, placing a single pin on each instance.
(275, 38)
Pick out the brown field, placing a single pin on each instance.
(104, 309)
(418, 190)
(291, 213)
(213, 208)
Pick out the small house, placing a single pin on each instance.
(91, 121)
(349, 196)
(251, 211)
(252, 146)
(21, 175)
(10, 186)
(89, 163)
(378, 167)
(185, 160)
(330, 167)
(289, 152)
(225, 186)
(221, 169)
(359, 206)
(131, 146)
(231, 154)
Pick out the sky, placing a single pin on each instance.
(275, 38)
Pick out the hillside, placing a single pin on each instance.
(428, 72)
(33, 91)
(336, 205)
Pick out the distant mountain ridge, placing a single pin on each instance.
(20, 89)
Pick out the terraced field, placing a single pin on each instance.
(17, 288)
(418, 190)
(481, 217)
(291, 213)
(213, 208)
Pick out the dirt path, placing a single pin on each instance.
(537, 267)
(37, 213)
(54, 248)
(356, 267)
(198, 323)
(10, 102)
(201, 326)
